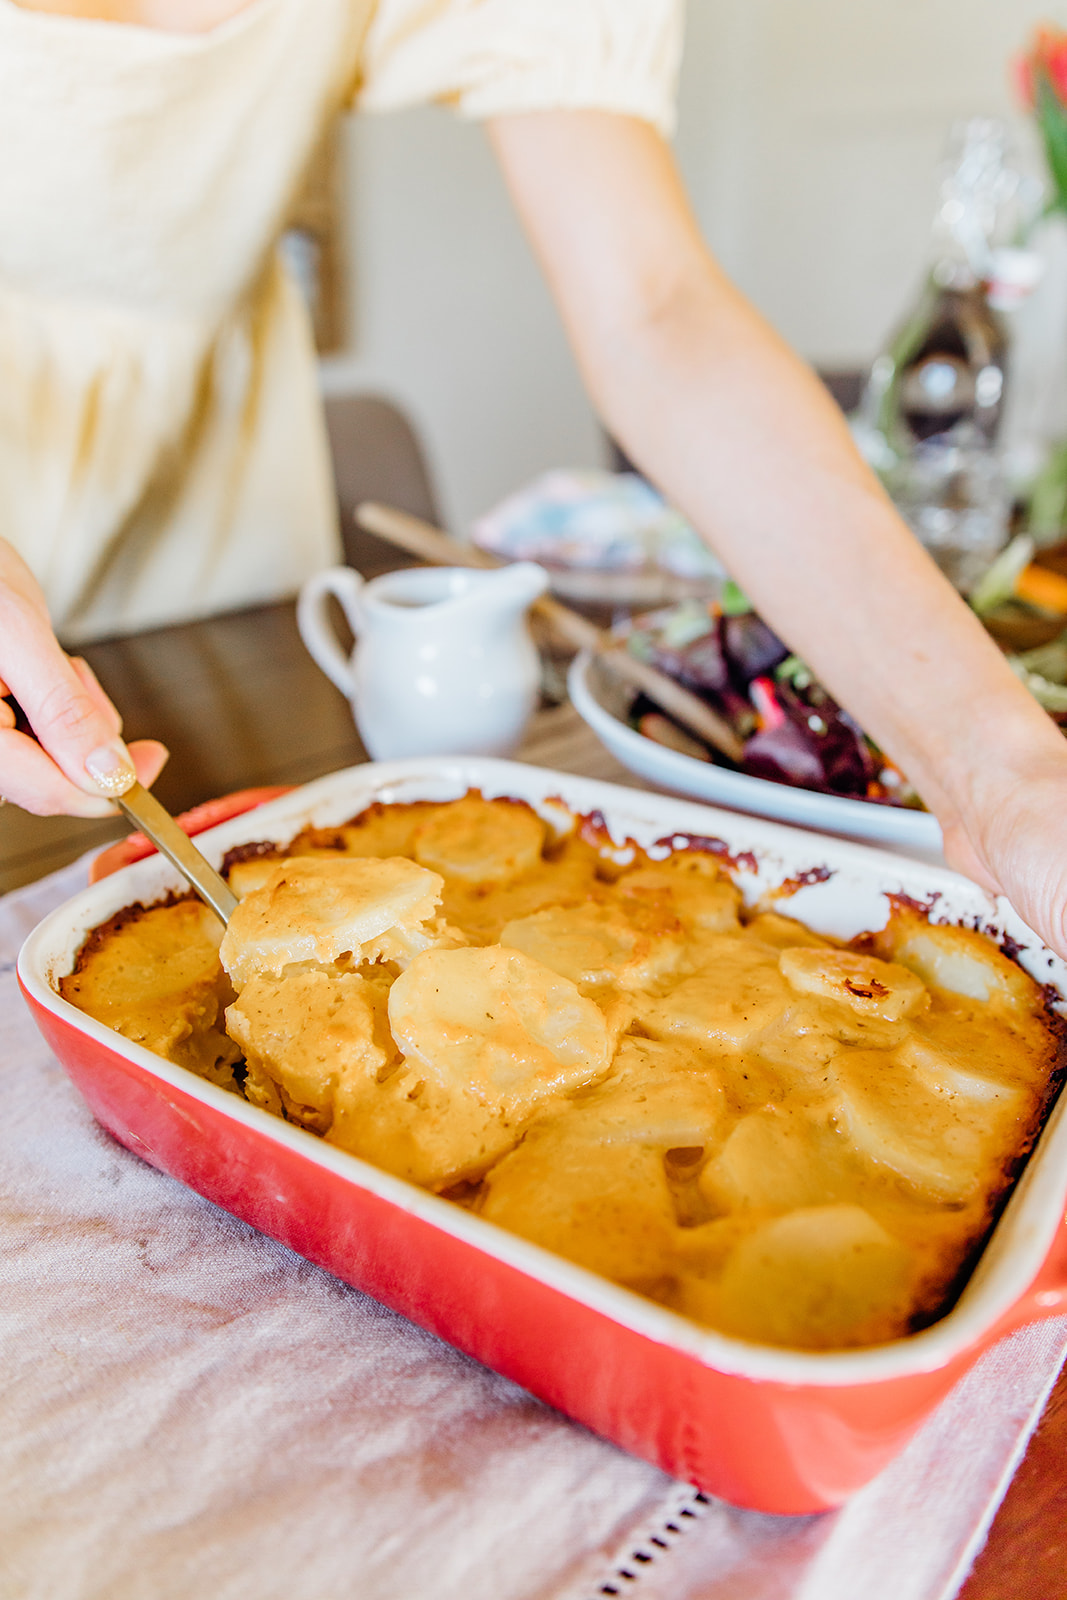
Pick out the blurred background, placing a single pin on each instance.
(813, 137)
(810, 137)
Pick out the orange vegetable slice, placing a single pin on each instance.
(1040, 586)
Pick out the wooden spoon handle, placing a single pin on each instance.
(420, 539)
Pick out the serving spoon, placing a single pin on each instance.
(157, 824)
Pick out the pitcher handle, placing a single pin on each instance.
(316, 629)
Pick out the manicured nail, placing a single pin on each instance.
(111, 768)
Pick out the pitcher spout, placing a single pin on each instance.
(516, 586)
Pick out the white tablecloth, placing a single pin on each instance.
(189, 1409)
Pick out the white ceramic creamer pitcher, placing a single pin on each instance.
(443, 663)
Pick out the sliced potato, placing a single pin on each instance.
(244, 876)
(958, 961)
(940, 1140)
(156, 978)
(688, 886)
(380, 830)
(596, 945)
(605, 1206)
(738, 992)
(669, 1109)
(481, 841)
(772, 928)
(1004, 1042)
(810, 1033)
(568, 879)
(320, 908)
(864, 984)
(954, 1072)
(311, 1033)
(778, 1160)
(824, 1277)
(497, 1025)
(411, 1126)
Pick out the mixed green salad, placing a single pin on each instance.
(791, 728)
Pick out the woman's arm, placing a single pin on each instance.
(740, 434)
(76, 724)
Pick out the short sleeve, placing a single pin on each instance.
(488, 57)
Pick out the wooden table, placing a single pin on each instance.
(239, 703)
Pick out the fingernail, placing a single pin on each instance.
(111, 768)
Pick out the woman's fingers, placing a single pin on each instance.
(69, 718)
(91, 684)
(1022, 852)
(31, 779)
(149, 758)
(80, 750)
(69, 721)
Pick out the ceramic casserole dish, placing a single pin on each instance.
(768, 1428)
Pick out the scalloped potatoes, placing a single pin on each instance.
(792, 1141)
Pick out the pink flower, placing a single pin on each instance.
(1047, 59)
(1023, 72)
(1041, 77)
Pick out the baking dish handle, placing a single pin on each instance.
(135, 847)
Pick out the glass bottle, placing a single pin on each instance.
(931, 411)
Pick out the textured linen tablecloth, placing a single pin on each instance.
(187, 1408)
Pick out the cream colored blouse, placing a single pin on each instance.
(162, 454)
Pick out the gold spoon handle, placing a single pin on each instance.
(157, 824)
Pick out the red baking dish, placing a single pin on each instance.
(773, 1429)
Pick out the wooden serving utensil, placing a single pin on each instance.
(430, 544)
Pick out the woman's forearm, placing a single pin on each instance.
(748, 444)
(744, 439)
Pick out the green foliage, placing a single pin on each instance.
(1052, 120)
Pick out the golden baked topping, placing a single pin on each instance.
(498, 1025)
(787, 1139)
(313, 908)
(309, 1037)
(594, 945)
(866, 985)
(154, 976)
(478, 842)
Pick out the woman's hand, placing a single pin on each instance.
(78, 729)
(1015, 841)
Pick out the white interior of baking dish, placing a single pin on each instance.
(851, 899)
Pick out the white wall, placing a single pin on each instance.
(451, 317)
(809, 134)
